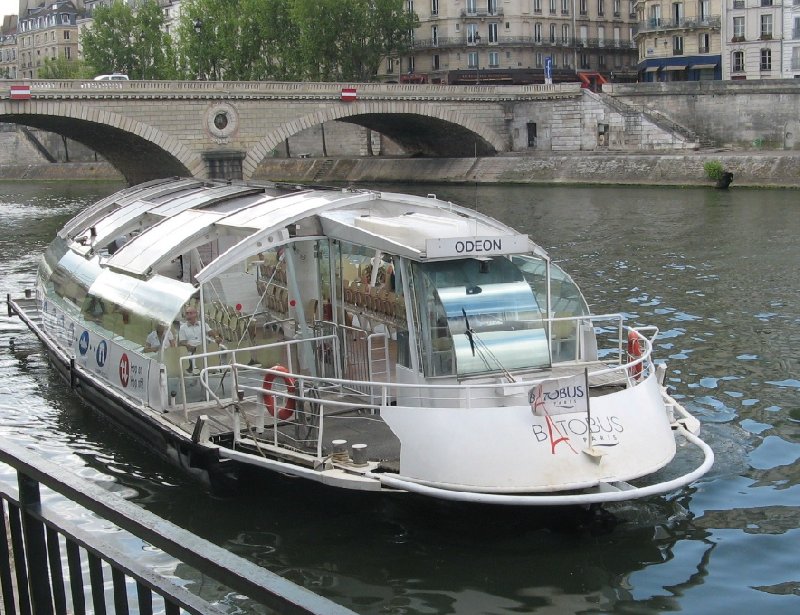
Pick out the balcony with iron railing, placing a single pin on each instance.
(656, 24)
(497, 12)
(449, 42)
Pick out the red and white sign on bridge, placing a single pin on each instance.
(20, 92)
(349, 94)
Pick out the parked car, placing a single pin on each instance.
(112, 77)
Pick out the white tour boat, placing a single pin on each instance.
(361, 339)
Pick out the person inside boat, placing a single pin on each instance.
(157, 338)
(190, 333)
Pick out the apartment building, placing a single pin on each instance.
(754, 37)
(518, 42)
(8, 48)
(46, 31)
(678, 40)
(791, 39)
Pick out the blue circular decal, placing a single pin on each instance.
(83, 343)
(101, 354)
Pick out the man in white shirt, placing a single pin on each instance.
(191, 332)
(158, 338)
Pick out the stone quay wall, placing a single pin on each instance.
(747, 115)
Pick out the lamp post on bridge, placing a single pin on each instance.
(198, 28)
(477, 58)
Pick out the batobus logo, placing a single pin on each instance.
(83, 343)
(101, 354)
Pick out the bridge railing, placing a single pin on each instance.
(233, 89)
(36, 577)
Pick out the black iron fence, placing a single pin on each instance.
(46, 558)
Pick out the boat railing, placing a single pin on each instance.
(353, 386)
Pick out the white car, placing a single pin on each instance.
(112, 77)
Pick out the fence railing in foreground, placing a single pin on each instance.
(36, 579)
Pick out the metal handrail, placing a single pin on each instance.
(41, 589)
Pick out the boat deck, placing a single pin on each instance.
(355, 426)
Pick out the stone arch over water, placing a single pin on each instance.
(421, 128)
(137, 150)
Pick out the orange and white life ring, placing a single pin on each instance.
(287, 411)
(634, 353)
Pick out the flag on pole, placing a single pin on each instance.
(20, 92)
(348, 94)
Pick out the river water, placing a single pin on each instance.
(716, 271)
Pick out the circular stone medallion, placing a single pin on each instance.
(222, 121)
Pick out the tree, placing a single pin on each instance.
(347, 39)
(120, 40)
(209, 39)
(62, 68)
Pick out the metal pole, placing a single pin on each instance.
(35, 546)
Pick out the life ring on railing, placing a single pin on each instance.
(287, 410)
(634, 352)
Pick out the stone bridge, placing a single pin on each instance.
(150, 129)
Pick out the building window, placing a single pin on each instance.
(677, 13)
(553, 33)
(705, 10)
(703, 44)
(766, 27)
(738, 62)
(491, 7)
(565, 7)
(434, 7)
(390, 65)
(434, 35)
(583, 58)
(616, 8)
(601, 61)
(738, 29)
(552, 7)
(493, 33)
(66, 35)
(538, 59)
(565, 34)
(531, 134)
(677, 45)
(494, 59)
(537, 6)
(472, 30)
(601, 36)
(601, 7)
(472, 7)
(537, 32)
(67, 53)
(411, 64)
(583, 7)
(472, 59)
(435, 63)
(566, 60)
(766, 59)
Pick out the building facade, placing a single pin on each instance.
(46, 32)
(791, 39)
(754, 39)
(518, 41)
(8, 48)
(679, 41)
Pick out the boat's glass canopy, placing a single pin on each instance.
(480, 316)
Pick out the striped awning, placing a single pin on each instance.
(675, 67)
(703, 66)
(651, 69)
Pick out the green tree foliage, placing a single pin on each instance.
(121, 40)
(62, 68)
(320, 40)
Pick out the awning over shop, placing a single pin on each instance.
(675, 67)
(702, 66)
(651, 69)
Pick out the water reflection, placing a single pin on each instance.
(716, 271)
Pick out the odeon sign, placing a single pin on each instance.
(476, 246)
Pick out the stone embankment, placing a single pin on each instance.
(759, 169)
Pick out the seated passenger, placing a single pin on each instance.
(191, 332)
(158, 338)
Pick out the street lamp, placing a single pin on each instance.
(477, 58)
(198, 25)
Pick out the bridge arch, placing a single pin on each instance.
(422, 128)
(137, 150)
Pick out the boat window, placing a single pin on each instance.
(566, 301)
(477, 316)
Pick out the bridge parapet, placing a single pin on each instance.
(291, 90)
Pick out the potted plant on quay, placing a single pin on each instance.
(715, 171)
